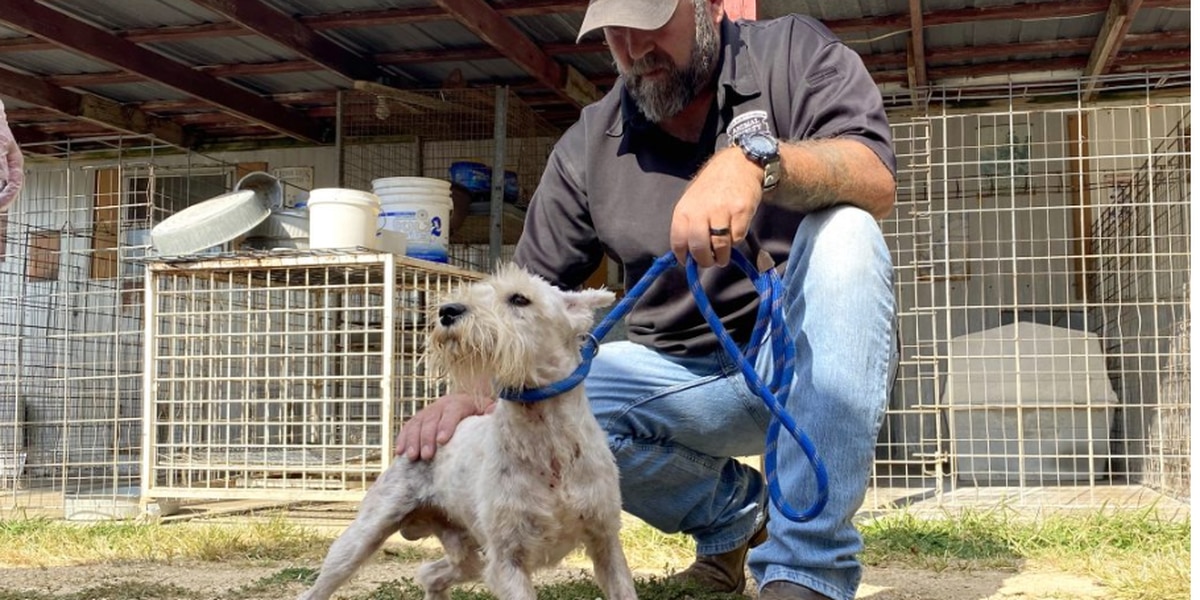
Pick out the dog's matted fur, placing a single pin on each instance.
(515, 490)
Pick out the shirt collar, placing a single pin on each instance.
(735, 75)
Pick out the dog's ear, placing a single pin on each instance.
(582, 306)
(589, 299)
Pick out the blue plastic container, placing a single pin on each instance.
(476, 177)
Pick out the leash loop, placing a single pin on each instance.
(770, 319)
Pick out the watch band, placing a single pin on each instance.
(763, 149)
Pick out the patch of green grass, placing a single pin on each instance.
(967, 540)
(1136, 554)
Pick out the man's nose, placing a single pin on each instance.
(636, 43)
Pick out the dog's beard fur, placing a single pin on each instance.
(469, 351)
(492, 341)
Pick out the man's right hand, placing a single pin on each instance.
(433, 425)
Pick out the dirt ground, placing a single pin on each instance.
(219, 580)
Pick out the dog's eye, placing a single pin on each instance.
(519, 300)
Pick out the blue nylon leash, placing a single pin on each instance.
(775, 394)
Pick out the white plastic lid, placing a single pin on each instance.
(429, 182)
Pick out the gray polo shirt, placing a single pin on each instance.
(612, 180)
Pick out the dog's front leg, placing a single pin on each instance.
(603, 545)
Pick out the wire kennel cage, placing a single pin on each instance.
(71, 320)
(1042, 251)
(283, 376)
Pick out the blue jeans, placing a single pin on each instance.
(674, 422)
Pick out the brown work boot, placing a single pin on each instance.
(725, 572)
(784, 590)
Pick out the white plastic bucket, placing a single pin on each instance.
(411, 184)
(422, 216)
(342, 218)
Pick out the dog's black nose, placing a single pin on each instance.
(449, 313)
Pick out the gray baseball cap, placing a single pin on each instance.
(636, 14)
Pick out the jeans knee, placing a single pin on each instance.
(841, 243)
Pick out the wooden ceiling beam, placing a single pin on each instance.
(83, 80)
(343, 20)
(1128, 62)
(319, 98)
(28, 137)
(497, 31)
(296, 36)
(408, 16)
(427, 14)
(933, 56)
(99, 44)
(175, 33)
(917, 77)
(953, 54)
(409, 57)
(94, 109)
(1116, 24)
(412, 57)
(32, 115)
(1023, 11)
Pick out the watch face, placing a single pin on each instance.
(760, 145)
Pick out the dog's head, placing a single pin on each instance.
(513, 328)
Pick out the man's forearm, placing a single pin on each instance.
(820, 173)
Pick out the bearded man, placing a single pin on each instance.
(769, 137)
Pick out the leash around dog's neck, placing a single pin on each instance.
(530, 395)
(775, 395)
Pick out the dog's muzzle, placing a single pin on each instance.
(449, 313)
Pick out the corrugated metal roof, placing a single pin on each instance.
(322, 7)
(224, 50)
(1161, 19)
(394, 38)
(282, 83)
(135, 14)
(135, 92)
(54, 62)
(877, 29)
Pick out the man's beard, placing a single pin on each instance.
(666, 96)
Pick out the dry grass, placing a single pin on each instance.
(1136, 555)
(45, 543)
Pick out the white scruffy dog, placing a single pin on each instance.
(515, 490)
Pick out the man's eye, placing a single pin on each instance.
(519, 300)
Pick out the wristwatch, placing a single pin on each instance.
(762, 148)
